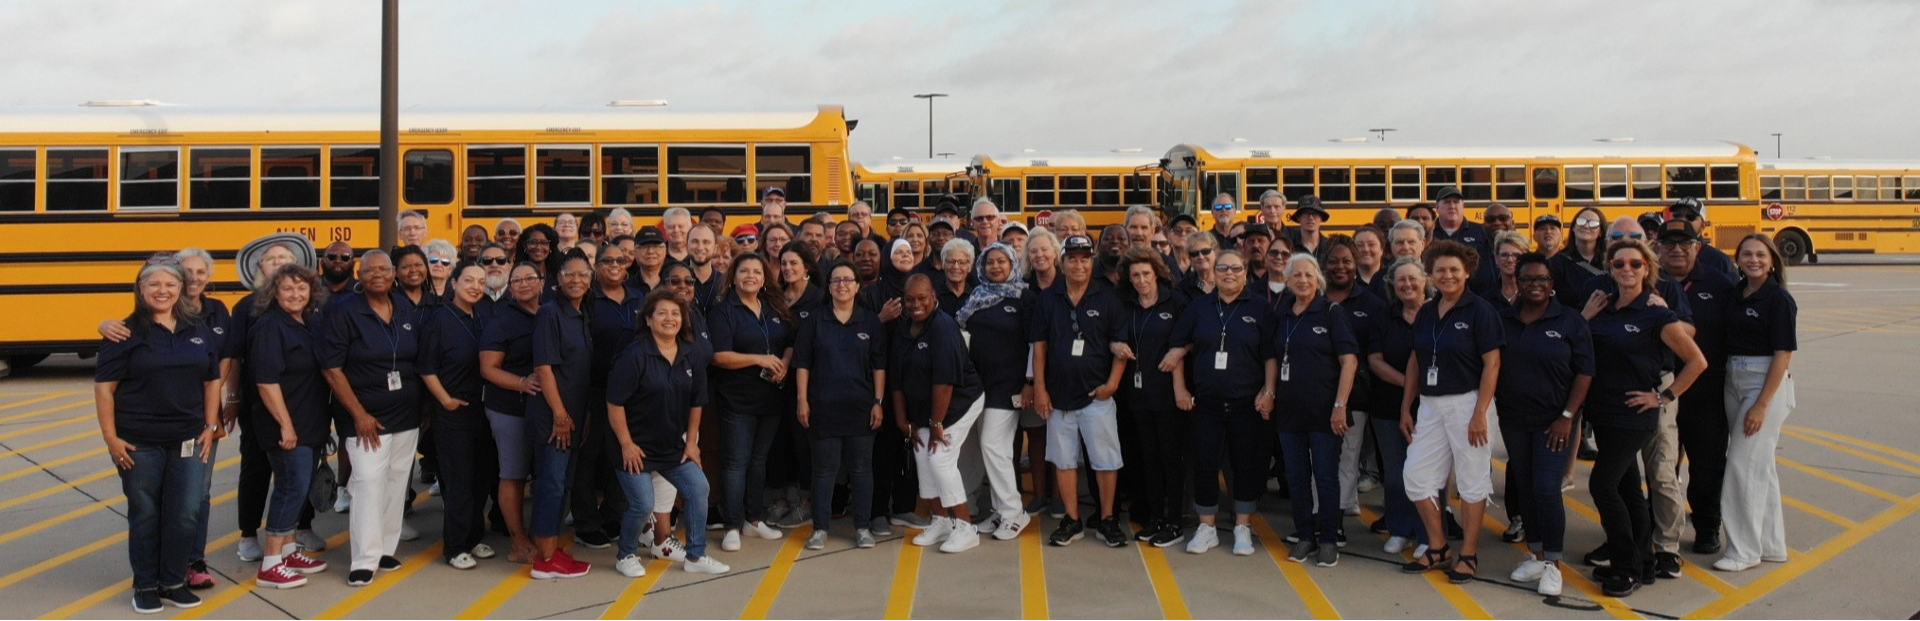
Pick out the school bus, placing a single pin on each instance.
(921, 185)
(1815, 206)
(1356, 177)
(89, 192)
(1098, 184)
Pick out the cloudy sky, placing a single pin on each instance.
(1837, 77)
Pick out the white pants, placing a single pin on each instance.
(997, 430)
(940, 464)
(379, 482)
(1750, 500)
(664, 494)
(1666, 493)
(1440, 443)
(1350, 459)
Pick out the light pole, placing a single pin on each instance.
(1383, 132)
(389, 123)
(929, 97)
(1776, 145)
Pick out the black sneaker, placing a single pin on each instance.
(1339, 539)
(1667, 565)
(388, 563)
(1296, 536)
(1149, 531)
(1619, 585)
(147, 601)
(1516, 532)
(1069, 531)
(1588, 450)
(1110, 532)
(1706, 541)
(1598, 557)
(1379, 527)
(180, 597)
(359, 577)
(1168, 536)
(593, 539)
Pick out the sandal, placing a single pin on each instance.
(1433, 559)
(1471, 561)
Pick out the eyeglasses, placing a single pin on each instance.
(536, 242)
(1506, 218)
(677, 281)
(1534, 280)
(493, 260)
(843, 281)
(746, 239)
(1229, 269)
(1621, 264)
(576, 275)
(1508, 256)
(1279, 252)
(1619, 235)
(1586, 223)
(611, 260)
(339, 258)
(1199, 252)
(439, 261)
(524, 279)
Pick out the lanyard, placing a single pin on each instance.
(1220, 310)
(760, 321)
(1293, 323)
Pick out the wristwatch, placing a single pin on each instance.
(1566, 413)
(1666, 395)
(1339, 404)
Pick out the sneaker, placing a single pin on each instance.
(1205, 537)
(670, 550)
(1728, 564)
(593, 540)
(863, 538)
(1301, 551)
(992, 523)
(280, 577)
(1378, 527)
(463, 560)
(147, 601)
(1009, 530)
(342, 501)
(936, 532)
(248, 549)
(1070, 530)
(631, 566)
(731, 542)
(909, 520)
(299, 562)
(705, 565)
(1295, 537)
(1340, 538)
(1550, 580)
(961, 540)
(817, 540)
(388, 563)
(1529, 570)
(1516, 532)
(1619, 585)
(1395, 544)
(180, 597)
(1110, 532)
(435, 490)
(408, 532)
(1598, 557)
(1242, 540)
(481, 550)
(1038, 505)
(777, 513)
(310, 541)
(1667, 565)
(762, 531)
(799, 516)
(1057, 510)
(1147, 532)
(198, 577)
(1367, 484)
(359, 577)
(880, 528)
(1167, 536)
(1706, 541)
(1327, 557)
(1353, 511)
(560, 566)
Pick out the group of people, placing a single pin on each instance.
(607, 376)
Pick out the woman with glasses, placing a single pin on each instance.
(506, 363)
(613, 314)
(773, 239)
(593, 226)
(1318, 358)
(995, 318)
(956, 270)
(566, 227)
(1392, 340)
(1198, 282)
(1226, 378)
(1274, 286)
(840, 372)
(536, 246)
(562, 348)
(1761, 324)
(937, 398)
(1507, 248)
(1581, 258)
(1546, 369)
(441, 256)
(753, 348)
(1161, 432)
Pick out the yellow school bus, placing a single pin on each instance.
(1354, 178)
(1099, 184)
(89, 192)
(1816, 206)
(921, 185)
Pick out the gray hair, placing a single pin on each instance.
(196, 253)
(1510, 238)
(409, 214)
(957, 245)
(1418, 268)
(1197, 240)
(441, 248)
(1306, 261)
(619, 211)
(496, 225)
(374, 252)
(676, 212)
(1141, 210)
(1273, 194)
(978, 202)
(1409, 225)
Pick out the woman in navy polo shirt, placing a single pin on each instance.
(1452, 375)
(1363, 310)
(1504, 290)
(294, 432)
(369, 348)
(995, 318)
(1547, 366)
(956, 269)
(1226, 379)
(1392, 340)
(157, 394)
(840, 364)
(506, 362)
(792, 470)
(655, 394)
(1761, 327)
(563, 360)
(1162, 433)
(450, 370)
(1318, 358)
(752, 346)
(1581, 258)
(1631, 337)
(937, 398)
(613, 313)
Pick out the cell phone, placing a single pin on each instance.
(767, 374)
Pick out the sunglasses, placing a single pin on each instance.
(339, 258)
(677, 281)
(1620, 264)
(493, 260)
(1617, 236)
(1586, 223)
(1195, 254)
(439, 261)
(1223, 207)
(746, 239)
(1229, 269)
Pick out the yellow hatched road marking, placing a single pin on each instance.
(1033, 575)
(246, 584)
(906, 577)
(74, 607)
(1849, 483)
(776, 576)
(1173, 605)
(1802, 563)
(497, 596)
(88, 508)
(73, 484)
(45, 426)
(26, 402)
(1613, 606)
(1844, 439)
(1296, 574)
(1818, 512)
(1466, 605)
(624, 606)
(381, 583)
(1856, 452)
(55, 463)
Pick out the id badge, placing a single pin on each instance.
(1138, 381)
(393, 381)
(1433, 376)
(1220, 361)
(1286, 372)
(186, 448)
(1079, 347)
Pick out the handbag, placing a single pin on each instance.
(325, 485)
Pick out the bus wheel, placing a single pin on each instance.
(1794, 246)
(24, 361)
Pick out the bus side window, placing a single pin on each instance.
(429, 177)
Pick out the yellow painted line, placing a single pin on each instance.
(1173, 605)
(123, 587)
(1802, 563)
(74, 607)
(381, 582)
(1882, 448)
(1466, 605)
(1857, 453)
(1849, 483)
(906, 576)
(26, 402)
(62, 559)
(1296, 573)
(24, 499)
(1818, 512)
(1613, 606)
(497, 596)
(776, 576)
(1033, 575)
(1700, 575)
(624, 606)
(45, 426)
(88, 508)
(246, 584)
(42, 467)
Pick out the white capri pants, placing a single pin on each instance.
(939, 465)
(380, 481)
(1440, 444)
(997, 430)
(1750, 500)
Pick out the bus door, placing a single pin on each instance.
(429, 186)
(1544, 195)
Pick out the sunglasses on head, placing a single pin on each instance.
(1618, 235)
(1620, 264)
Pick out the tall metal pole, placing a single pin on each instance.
(1776, 145)
(929, 97)
(390, 157)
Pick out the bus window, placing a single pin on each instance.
(1406, 183)
(1770, 188)
(1438, 177)
(17, 167)
(877, 195)
(1794, 188)
(1686, 181)
(1613, 182)
(1227, 183)
(707, 174)
(77, 179)
(630, 175)
(150, 178)
(220, 178)
(1259, 180)
(1889, 188)
(1910, 184)
(1580, 183)
(1106, 190)
(1370, 185)
(1842, 188)
(1510, 183)
(353, 177)
(907, 193)
(497, 175)
(1139, 189)
(788, 166)
(1005, 193)
(1073, 191)
(290, 178)
(1546, 183)
(1646, 182)
(1726, 181)
(1819, 189)
(1866, 188)
(1295, 183)
(563, 175)
(1476, 182)
(429, 177)
(1336, 184)
(1040, 191)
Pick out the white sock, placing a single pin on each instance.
(271, 561)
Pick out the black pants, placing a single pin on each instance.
(1229, 432)
(1702, 423)
(256, 483)
(597, 500)
(1624, 513)
(830, 457)
(469, 473)
(1162, 438)
(896, 484)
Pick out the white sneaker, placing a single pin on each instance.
(309, 541)
(817, 540)
(1529, 570)
(909, 520)
(1353, 511)
(249, 549)
(961, 540)
(762, 530)
(1008, 531)
(1242, 540)
(706, 565)
(646, 535)
(1395, 544)
(1205, 537)
(863, 539)
(481, 550)
(937, 531)
(408, 532)
(342, 501)
(987, 525)
(670, 550)
(731, 542)
(1727, 563)
(435, 490)
(631, 566)
(1367, 484)
(1549, 579)
(463, 560)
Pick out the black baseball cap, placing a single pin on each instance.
(1678, 231)
(648, 235)
(1447, 192)
(1548, 220)
(939, 224)
(1188, 218)
(1077, 244)
(1257, 228)
(906, 211)
(1687, 205)
(947, 208)
(772, 191)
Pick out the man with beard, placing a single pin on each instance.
(498, 262)
(866, 261)
(471, 241)
(700, 247)
(336, 265)
(1113, 242)
(814, 235)
(1497, 218)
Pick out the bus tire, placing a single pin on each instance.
(1794, 246)
(25, 360)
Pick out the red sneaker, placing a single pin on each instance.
(301, 563)
(279, 577)
(198, 578)
(579, 567)
(558, 566)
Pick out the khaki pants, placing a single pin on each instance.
(1666, 493)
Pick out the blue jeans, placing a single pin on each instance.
(292, 476)
(749, 439)
(164, 492)
(1234, 429)
(1313, 459)
(1533, 477)
(686, 478)
(829, 454)
(1402, 519)
(199, 553)
(552, 469)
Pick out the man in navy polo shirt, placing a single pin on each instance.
(1452, 224)
(1075, 375)
(1701, 420)
(1691, 211)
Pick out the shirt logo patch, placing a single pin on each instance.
(862, 335)
(1469, 240)
(1319, 330)
(1166, 316)
(1459, 325)
(1705, 296)
(689, 371)
(1249, 320)
(1007, 308)
(1360, 314)
(1553, 334)
(197, 341)
(803, 315)
(1093, 313)
(923, 346)
(1633, 329)
(1754, 313)
(219, 330)
(406, 326)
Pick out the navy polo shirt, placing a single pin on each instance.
(1475, 236)
(1454, 344)
(1570, 275)
(287, 352)
(613, 324)
(1762, 323)
(162, 375)
(1715, 260)
(1364, 310)
(937, 356)
(1677, 299)
(875, 295)
(1309, 346)
(234, 344)
(1000, 348)
(812, 301)
(706, 293)
(1499, 300)
(367, 348)
(450, 351)
(563, 341)
(1243, 329)
(1538, 364)
(1708, 293)
(509, 332)
(1392, 338)
(1150, 333)
(659, 395)
(840, 359)
(736, 329)
(219, 320)
(1626, 342)
(951, 302)
(1058, 322)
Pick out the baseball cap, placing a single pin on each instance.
(906, 211)
(1686, 205)
(1447, 192)
(1182, 218)
(1013, 226)
(940, 224)
(1077, 243)
(648, 235)
(1678, 231)
(1548, 219)
(1257, 229)
(770, 191)
(746, 229)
